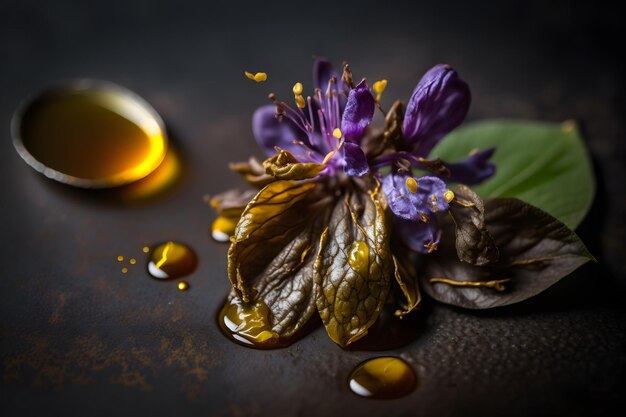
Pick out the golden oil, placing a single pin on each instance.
(383, 377)
(172, 260)
(91, 134)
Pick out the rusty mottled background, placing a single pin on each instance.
(78, 337)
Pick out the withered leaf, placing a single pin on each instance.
(536, 250)
(436, 166)
(474, 244)
(285, 166)
(231, 203)
(393, 124)
(286, 286)
(276, 216)
(253, 172)
(353, 267)
(405, 272)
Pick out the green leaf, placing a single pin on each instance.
(353, 267)
(543, 164)
(536, 251)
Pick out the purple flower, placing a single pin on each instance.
(329, 127)
(439, 104)
(320, 125)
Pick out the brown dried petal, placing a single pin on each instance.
(474, 244)
(285, 166)
(353, 267)
(536, 251)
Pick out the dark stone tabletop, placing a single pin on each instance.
(78, 337)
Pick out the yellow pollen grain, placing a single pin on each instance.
(433, 197)
(120, 258)
(297, 89)
(146, 249)
(258, 77)
(379, 86)
(183, 286)
(411, 184)
(448, 196)
(300, 102)
(132, 261)
(124, 270)
(337, 133)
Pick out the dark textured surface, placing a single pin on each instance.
(81, 338)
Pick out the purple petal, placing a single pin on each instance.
(358, 113)
(439, 103)
(323, 71)
(419, 236)
(474, 169)
(428, 199)
(269, 132)
(356, 162)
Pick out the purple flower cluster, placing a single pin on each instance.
(330, 128)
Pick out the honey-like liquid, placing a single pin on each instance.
(248, 324)
(172, 260)
(384, 377)
(91, 135)
(223, 228)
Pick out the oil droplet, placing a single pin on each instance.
(183, 286)
(383, 377)
(172, 260)
(223, 228)
(146, 249)
(132, 261)
(91, 134)
(248, 324)
(120, 258)
(359, 257)
(124, 270)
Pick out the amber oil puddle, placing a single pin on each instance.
(91, 134)
(172, 260)
(384, 377)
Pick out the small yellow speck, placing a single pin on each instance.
(433, 197)
(258, 77)
(183, 286)
(379, 86)
(300, 102)
(146, 249)
(124, 270)
(448, 196)
(132, 261)
(297, 89)
(337, 133)
(411, 184)
(120, 258)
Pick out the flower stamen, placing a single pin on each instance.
(448, 196)
(258, 77)
(411, 184)
(379, 87)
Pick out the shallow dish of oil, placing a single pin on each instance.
(90, 134)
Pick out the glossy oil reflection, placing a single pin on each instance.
(90, 134)
(172, 260)
(385, 377)
(248, 324)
